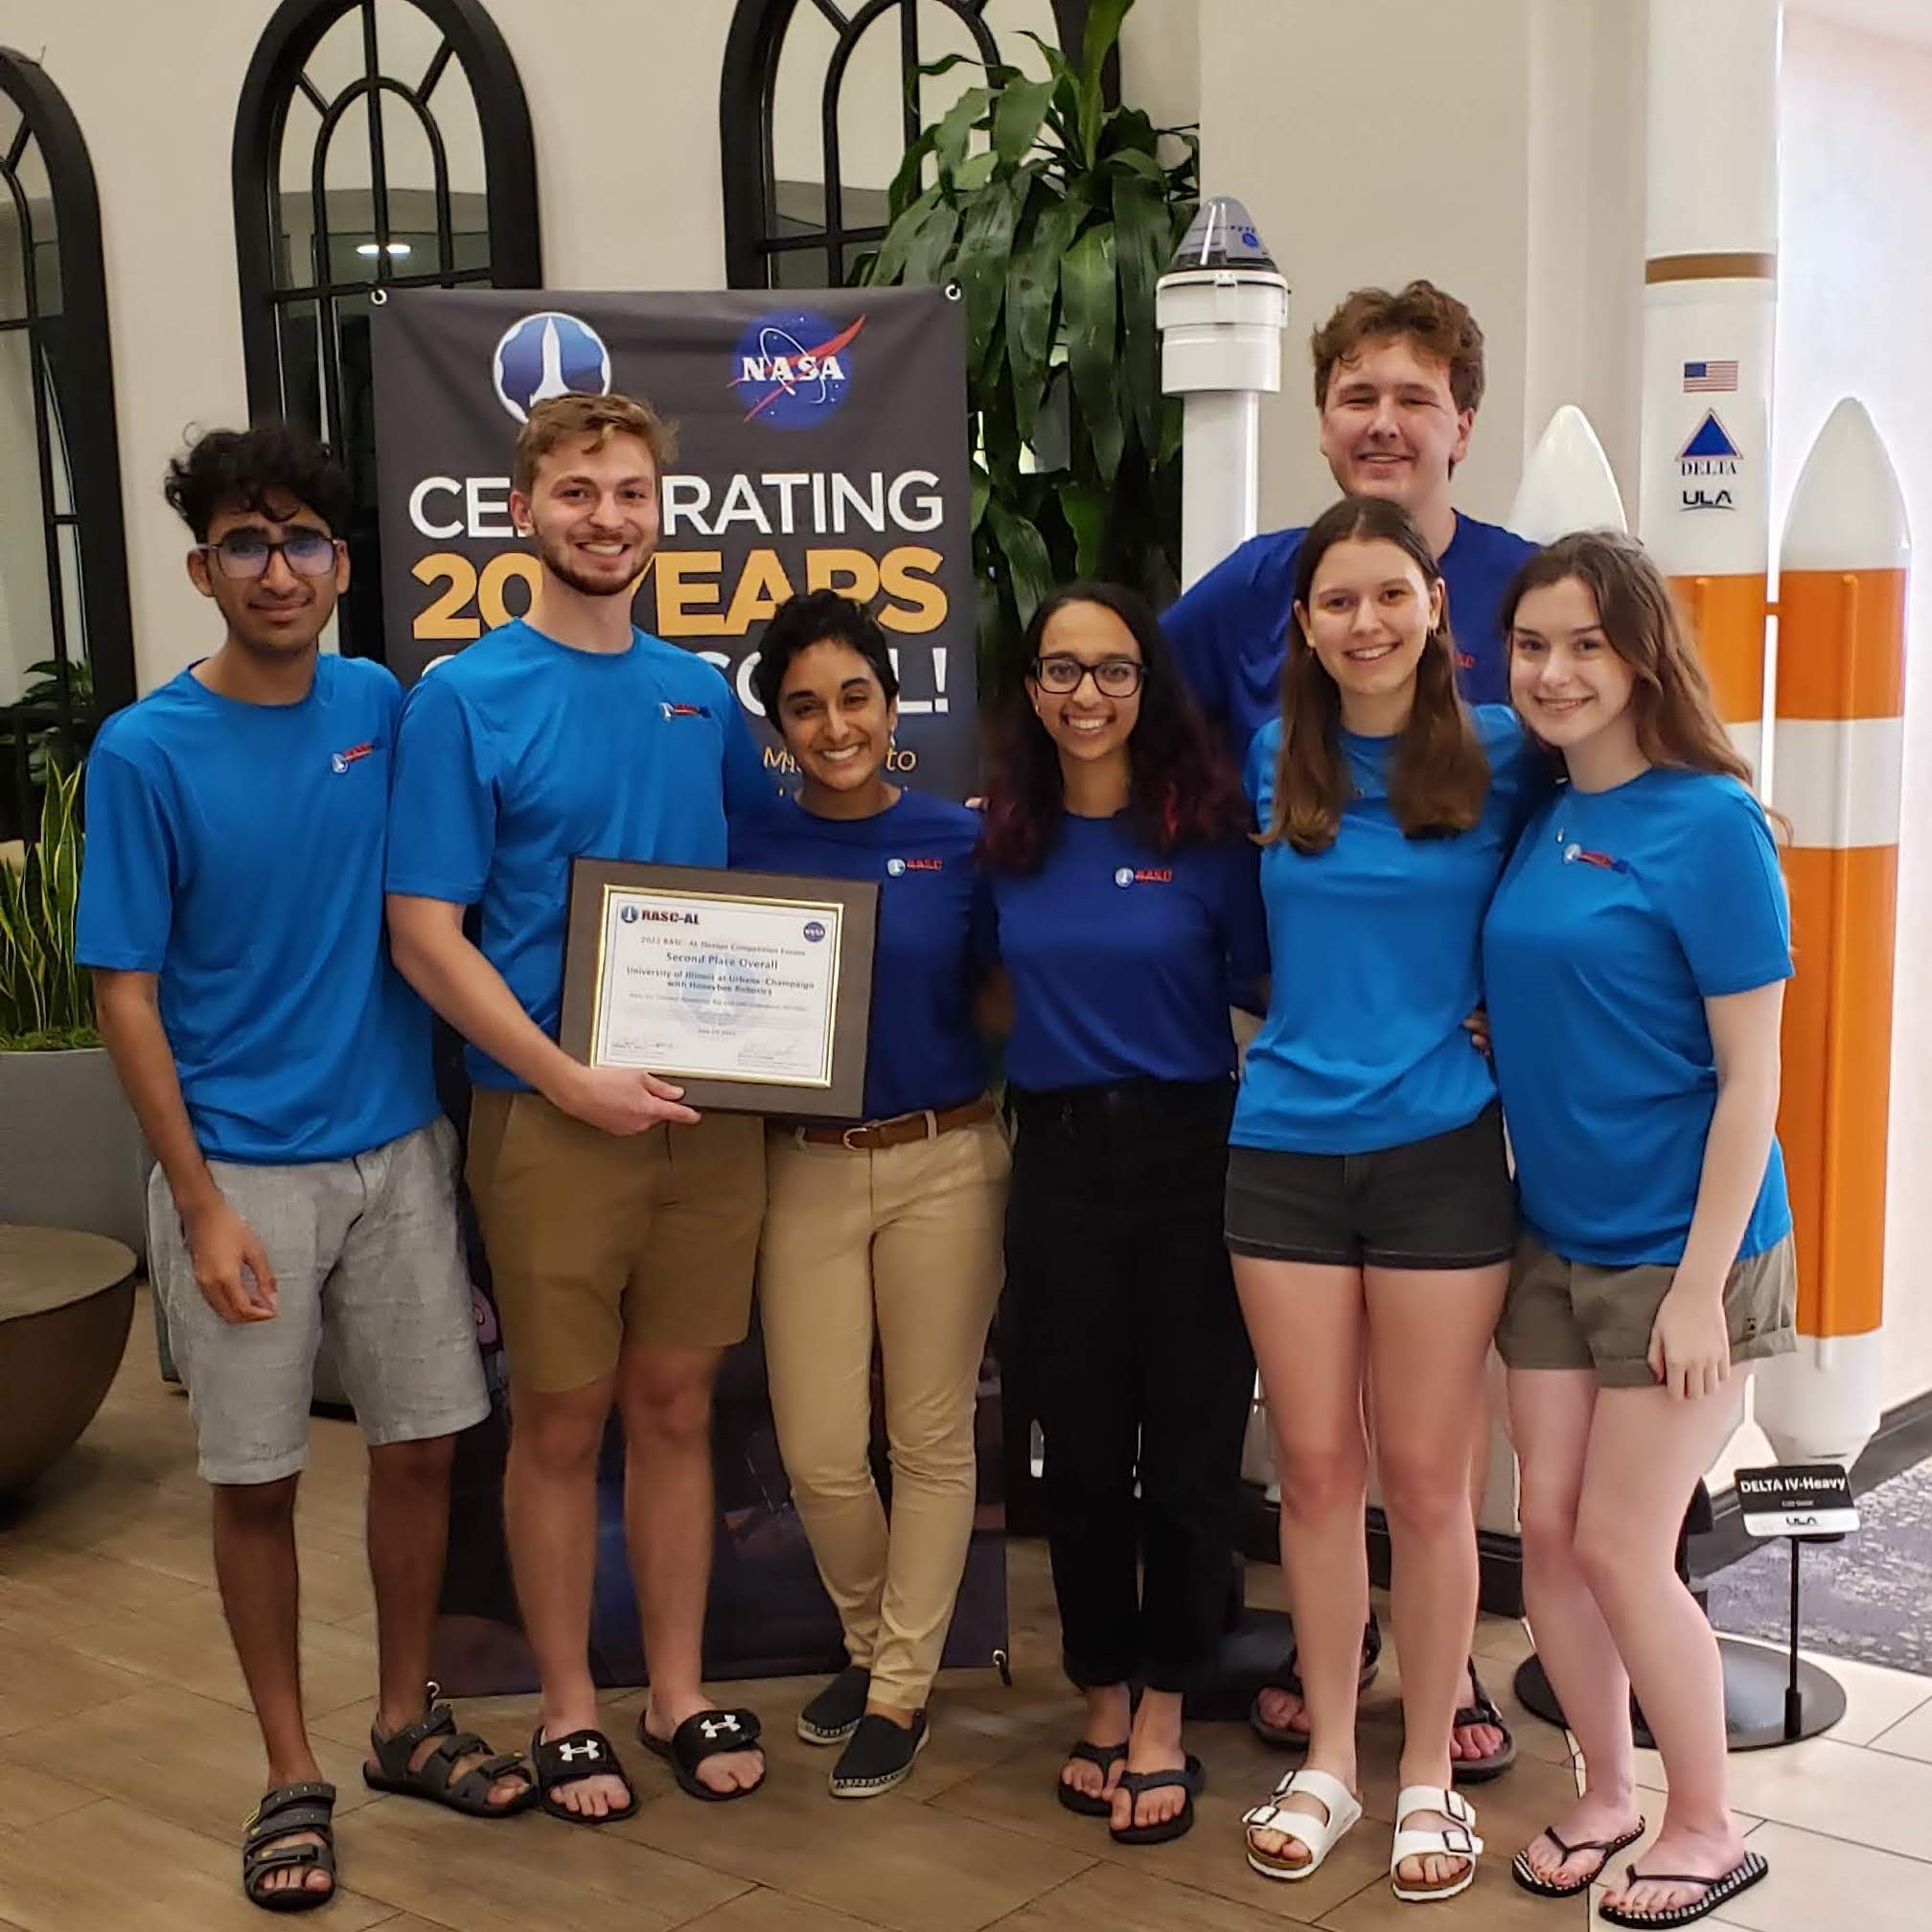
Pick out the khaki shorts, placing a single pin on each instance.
(597, 1240)
(1570, 1314)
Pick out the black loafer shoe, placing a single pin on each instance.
(879, 1757)
(833, 1716)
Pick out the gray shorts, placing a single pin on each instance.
(365, 1251)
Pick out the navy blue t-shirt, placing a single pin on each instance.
(1122, 956)
(1377, 958)
(934, 935)
(1230, 631)
(235, 851)
(1620, 915)
(521, 755)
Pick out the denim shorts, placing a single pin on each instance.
(1444, 1201)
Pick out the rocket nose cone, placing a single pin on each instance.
(1222, 235)
(1567, 483)
(1847, 511)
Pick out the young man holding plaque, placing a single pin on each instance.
(305, 1185)
(622, 1229)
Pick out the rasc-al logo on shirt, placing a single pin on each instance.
(1144, 875)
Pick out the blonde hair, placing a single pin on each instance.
(562, 419)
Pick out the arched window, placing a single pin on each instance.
(380, 144)
(821, 99)
(66, 641)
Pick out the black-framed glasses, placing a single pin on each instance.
(241, 554)
(1113, 676)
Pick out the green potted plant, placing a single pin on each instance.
(71, 1155)
(1055, 227)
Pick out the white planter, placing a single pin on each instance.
(70, 1153)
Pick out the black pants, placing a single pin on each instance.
(1124, 1313)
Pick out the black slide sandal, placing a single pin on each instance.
(1103, 1755)
(569, 1759)
(1524, 1873)
(706, 1734)
(1482, 1711)
(1718, 1892)
(1189, 1778)
(286, 1812)
(1285, 1737)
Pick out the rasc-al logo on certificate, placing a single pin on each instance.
(545, 355)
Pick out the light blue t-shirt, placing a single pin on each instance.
(1122, 956)
(235, 851)
(1622, 912)
(522, 754)
(1375, 948)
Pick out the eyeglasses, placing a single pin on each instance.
(1113, 676)
(241, 554)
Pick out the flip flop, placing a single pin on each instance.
(1189, 1777)
(1105, 1756)
(704, 1734)
(1482, 1710)
(1718, 1892)
(1524, 1873)
(1285, 1737)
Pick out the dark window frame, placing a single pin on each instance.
(71, 373)
(747, 93)
(276, 75)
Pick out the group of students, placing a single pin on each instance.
(1561, 914)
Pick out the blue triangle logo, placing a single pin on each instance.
(1711, 440)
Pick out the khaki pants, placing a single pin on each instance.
(904, 1242)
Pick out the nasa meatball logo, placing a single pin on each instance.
(794, 368)
(545, 355)
(814, 930)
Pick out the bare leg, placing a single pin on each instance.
(408, 1535)
(550, 1514)
(668, 1519)
(1475, 1741)
(1429, 1333)
(1648, 1449)
(1307, 1325)
(254, 1565)
(1551, 1413)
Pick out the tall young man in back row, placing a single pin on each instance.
(231, 910)
(622, 1229)
(1398, 378)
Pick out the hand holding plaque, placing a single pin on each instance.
(751, 990)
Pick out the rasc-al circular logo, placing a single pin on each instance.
(1124, 876)
(793, 368)
(545, 355)
(629, 914)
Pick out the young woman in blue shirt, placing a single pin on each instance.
(1370, 1208)
(1124, 883)
(893, 1228)
(1635, 955)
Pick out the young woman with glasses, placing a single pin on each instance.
(1124, 883)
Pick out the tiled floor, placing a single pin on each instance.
(128, 1760)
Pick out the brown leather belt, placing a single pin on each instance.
(898, 1132)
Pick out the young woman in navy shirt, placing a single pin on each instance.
(1124, 882)
(1369, 1208)
(892, 1227)
(1636, 957)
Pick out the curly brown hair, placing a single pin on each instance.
(1439, 325)
(557, 419)
(1440, 776)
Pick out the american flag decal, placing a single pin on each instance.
(1702, 378)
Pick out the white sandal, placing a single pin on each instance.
(1320, 1836)
(1456, 1840)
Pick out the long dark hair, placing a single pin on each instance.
(1182, 790)
(1440, 776)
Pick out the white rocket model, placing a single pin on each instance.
(1567, 483)
(1221, 309)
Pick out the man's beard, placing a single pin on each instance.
(559, 562)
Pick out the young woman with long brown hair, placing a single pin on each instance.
(1370, 1208)
(1635, 955)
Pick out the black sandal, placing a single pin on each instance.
(568, 1761)
(431, 1778)
(706, 1734)
(1524, 1873)
(1284, 1737)
(286, 1812)
(1103, 1755)
(1190, 1778)
(1482, 1711)
(1718, 1892)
